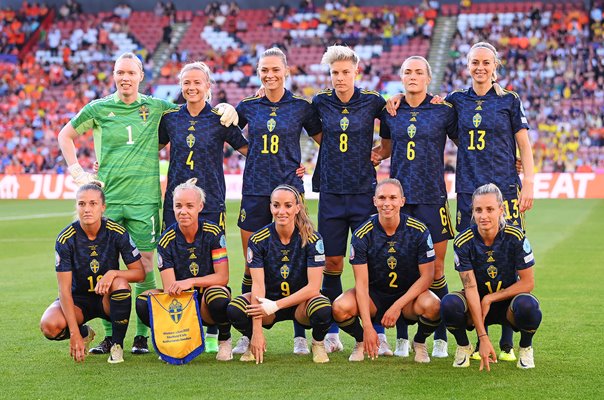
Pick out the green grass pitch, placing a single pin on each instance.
(567, 238)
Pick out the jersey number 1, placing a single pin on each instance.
(129, 129)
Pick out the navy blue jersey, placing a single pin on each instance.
(486, 127)
(196, 151)
(285, 265)
(274, 135)
(496, 266)
(89, 260)
(345, 156)
(392, 261)
(418, 137)
(191, 260)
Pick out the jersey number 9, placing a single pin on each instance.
(285, 289)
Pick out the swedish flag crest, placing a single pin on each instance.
(175, 311)
(143, 112)
(476, 120)
(284, 271)
(344, 122)
(94, 266)
(411, 130)
(492, 271)
(391, 262)
(190, 140)
(271, 124)
(194, 269)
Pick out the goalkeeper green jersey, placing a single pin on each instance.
(126, 146)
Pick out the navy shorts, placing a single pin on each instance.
(339, 213)
(255, 213)
(511, 206)
(437, 219)
(285, 314)
(218, 217)
(91, 306)
(383, 302)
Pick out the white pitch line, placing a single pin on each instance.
(35, 216)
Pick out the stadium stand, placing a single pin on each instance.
(545, 48)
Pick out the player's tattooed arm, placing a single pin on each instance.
(468, 280)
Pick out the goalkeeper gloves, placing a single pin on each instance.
(81, 177)
(228, 114)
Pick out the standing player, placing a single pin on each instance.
(393, 261)
(491, 124)
(91, 284)
(345, 173)
(275, 122)
(416, 138)
(286, 260)
(495, 261)
(192, 255)
(196, 139)
(125, 136)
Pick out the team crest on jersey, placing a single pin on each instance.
(479, 105)
(476, 120)
(175, 311)
(190, 140)
(194, 269)
(242, 215)
(271, 124)
(490, 254)
(492, 271)
(94, 266)
(391, 261)
(273, 111)
(93, 252)
(411, 130)
(284, 271)
(344, 122)
(143, 112)
(414, 115)
(192, 255)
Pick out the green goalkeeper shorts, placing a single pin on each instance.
(141, 222)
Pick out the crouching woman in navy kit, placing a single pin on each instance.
(192, 255)
(91, 283)
(286, 260)
(495, 263)
(392, 255)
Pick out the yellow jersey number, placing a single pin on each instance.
(411, 150)
(514, 211)
(271, 145)
(477, 140)
(285, 289)
(491, 288)
(343, 143)
(393, 276)
(190, 161)
(92, 282)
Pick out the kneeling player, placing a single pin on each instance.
(286, 260)
(495, 262)
(393, 260)
(91, 284)
(192, 255)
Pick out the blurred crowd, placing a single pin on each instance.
(553, 58)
